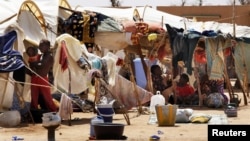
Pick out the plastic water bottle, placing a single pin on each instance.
(157, 99)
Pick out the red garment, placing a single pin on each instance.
(63, 57)
(186, 90)
(41, 86)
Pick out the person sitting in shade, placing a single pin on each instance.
(162, 82)
(213, 92)
(184, 92)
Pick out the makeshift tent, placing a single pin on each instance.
(12, 70)
(25, 30)
(82, 24)
(106, 38)
(8, 10)
(41, 25)
(50, 13)
(80, 76)
(213, 54)
(118, 39)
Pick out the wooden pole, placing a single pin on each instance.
(233, 20)
(135, 88)
(196, 71)
(7, 19)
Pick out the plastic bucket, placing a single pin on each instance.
(106, 111)
(166, 114)
(95, 120)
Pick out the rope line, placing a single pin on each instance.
(27, 83)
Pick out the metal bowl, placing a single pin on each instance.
(109, 131)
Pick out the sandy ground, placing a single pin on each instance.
(138, 130)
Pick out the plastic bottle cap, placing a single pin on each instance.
(158, 92)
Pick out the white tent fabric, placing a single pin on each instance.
(80, 78)
(27, 27)
(148, 14)
(152, 15)
(50, 10)
(240, 31)
(152, 3)
(32, 29)
(8, 9)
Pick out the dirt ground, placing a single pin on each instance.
(138, 130)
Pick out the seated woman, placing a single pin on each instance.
(162, 82)
(213, 92)
(184, 92)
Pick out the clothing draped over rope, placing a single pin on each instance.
(10, 60)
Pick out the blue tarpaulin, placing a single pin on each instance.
(10, 60)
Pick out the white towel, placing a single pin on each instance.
(65, 109)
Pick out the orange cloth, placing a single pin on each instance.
(141, 29)
(200, 56)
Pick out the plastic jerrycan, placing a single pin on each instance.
(157, 99)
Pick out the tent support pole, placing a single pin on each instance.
(198, 85)
(22, 100)
(7, 19)
(5, 88)
(230, 89)
(134, 86)
(69, 91)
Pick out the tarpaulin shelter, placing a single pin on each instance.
(118, 39)
(22, 25)
(39, 19)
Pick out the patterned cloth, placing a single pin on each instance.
(218, 86)
(214, 100)
(215, 57)
(10, 60)
(141, 28)
(213, 86)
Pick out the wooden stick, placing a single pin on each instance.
(198, 85)
(124, 110)
(7, 19)
(22, 101)
(132, 79)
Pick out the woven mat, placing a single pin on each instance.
(218, 119)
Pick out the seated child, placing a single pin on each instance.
(184, 92)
